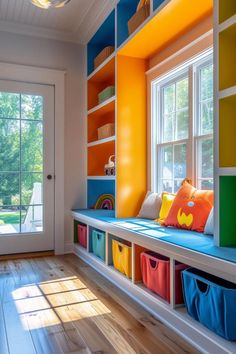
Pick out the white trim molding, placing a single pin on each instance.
(44, 76)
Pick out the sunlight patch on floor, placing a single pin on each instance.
(56, 302)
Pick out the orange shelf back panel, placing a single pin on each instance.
(131, 135)
(98, 118)
(98, 156)
(98, 82)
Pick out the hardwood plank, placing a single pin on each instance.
(18, 334)
(3, 337)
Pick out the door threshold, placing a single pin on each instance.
(8, 257)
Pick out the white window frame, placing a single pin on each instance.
(190, 67)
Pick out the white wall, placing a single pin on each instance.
(70, 57)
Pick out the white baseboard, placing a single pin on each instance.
(69, 247)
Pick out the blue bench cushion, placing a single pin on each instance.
(188, 239)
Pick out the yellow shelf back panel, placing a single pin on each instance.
(227, 8)
(98, 156)
(227, 58)
(131, 135)
(227, 130)
(173, 20)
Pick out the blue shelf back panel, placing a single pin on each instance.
(97, 187)
(157, 3)
(125, 10)
(105, 36)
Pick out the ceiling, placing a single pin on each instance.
(76, 22)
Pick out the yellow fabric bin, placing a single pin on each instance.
(122, 258)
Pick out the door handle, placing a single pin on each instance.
(49, 177)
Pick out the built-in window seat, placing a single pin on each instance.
(194, 241)
(95, 234)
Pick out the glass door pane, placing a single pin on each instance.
(21, 163)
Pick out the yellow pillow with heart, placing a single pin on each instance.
(167, 201)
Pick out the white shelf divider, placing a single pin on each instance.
(101, 105)
(226, 24)
(102, 177)
(231, 91)
(102, 141)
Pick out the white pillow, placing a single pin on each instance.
(151, 206)
(209, 227)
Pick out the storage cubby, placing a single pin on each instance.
(227, 212)
(97, 243)
(227, 129)
(227, 58)
(80, 234)
(157, 3)
(97, 187)
(96, 121)
(227, 8)
(125, 10)
(98, 156)
(120, 255)
(76, 223)
(100, 81)
(105, 36)
(137, 265)
(153, 270)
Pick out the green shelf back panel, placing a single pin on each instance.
(227, 211)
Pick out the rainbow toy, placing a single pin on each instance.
(105, 201)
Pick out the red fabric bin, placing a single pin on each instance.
(82, 235)
(155, 270)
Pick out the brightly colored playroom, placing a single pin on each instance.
(117, 176)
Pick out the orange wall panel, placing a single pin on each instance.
(131, 135)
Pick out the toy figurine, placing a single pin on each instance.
(109, 168)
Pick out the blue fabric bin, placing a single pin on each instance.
(98, 244)
(211, 301)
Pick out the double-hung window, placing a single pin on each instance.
(182, 126)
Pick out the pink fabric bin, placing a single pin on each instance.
(82, 235)
(155, 270)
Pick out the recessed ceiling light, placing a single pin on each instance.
(46, 4)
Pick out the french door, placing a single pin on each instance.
(26, 167)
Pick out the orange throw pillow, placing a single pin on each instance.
(190, 208)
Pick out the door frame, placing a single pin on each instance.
(56, 78)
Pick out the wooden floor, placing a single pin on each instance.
(61, 305)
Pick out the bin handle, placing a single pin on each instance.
(153, 263)
(202, 287)
(120, 248)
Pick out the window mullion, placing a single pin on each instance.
(190, 143)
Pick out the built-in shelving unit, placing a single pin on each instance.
(225, 122)
(127, 109)
(125, 69)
